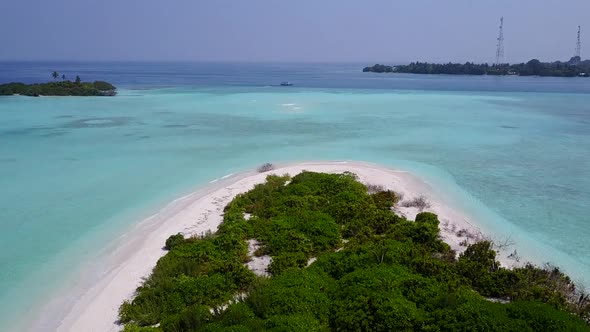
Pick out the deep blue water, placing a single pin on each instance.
(75, 172)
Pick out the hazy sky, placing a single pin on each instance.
(296, 30)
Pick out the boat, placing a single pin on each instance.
(286, 84)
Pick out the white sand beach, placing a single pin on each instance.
(201, 211)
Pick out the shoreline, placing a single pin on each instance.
(133, 255)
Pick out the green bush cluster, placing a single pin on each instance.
(198, 273)
(390, 274)
(59, 88)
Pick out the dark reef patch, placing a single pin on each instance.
(508, 127)
(25, 131)
(54, 134)
(108, 122)
(176, 126)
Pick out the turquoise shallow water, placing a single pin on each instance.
(75, 172)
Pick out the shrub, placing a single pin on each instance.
(136, 328)
(294, 323)
(420, 202)
(237, 313)
(286, 261)
(374, 188)
(265, 167)
(193, 318)
(173, 241)
(103, 86)
(427, 217)
(386, 199)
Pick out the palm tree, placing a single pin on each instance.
(63, 77)
(55, 75)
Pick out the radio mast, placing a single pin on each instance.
(500, 46)
(578, 46)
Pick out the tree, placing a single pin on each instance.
(55, 75)
(63, 77)
(534, 66)
(78, 80)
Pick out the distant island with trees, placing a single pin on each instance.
(572, 68)
(59, 87)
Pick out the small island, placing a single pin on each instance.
(61, 87)
(325, 252)
(572, 68)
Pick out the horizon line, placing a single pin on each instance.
(365, 62)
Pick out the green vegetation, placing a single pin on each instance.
(59, 88)
(375, 271)
(378, 68)
(572, 68)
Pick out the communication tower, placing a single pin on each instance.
(578, 45)
(500, 46)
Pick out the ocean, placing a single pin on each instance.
(77, 172)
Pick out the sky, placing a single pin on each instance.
(290, 31)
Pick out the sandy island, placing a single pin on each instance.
(95, 309)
